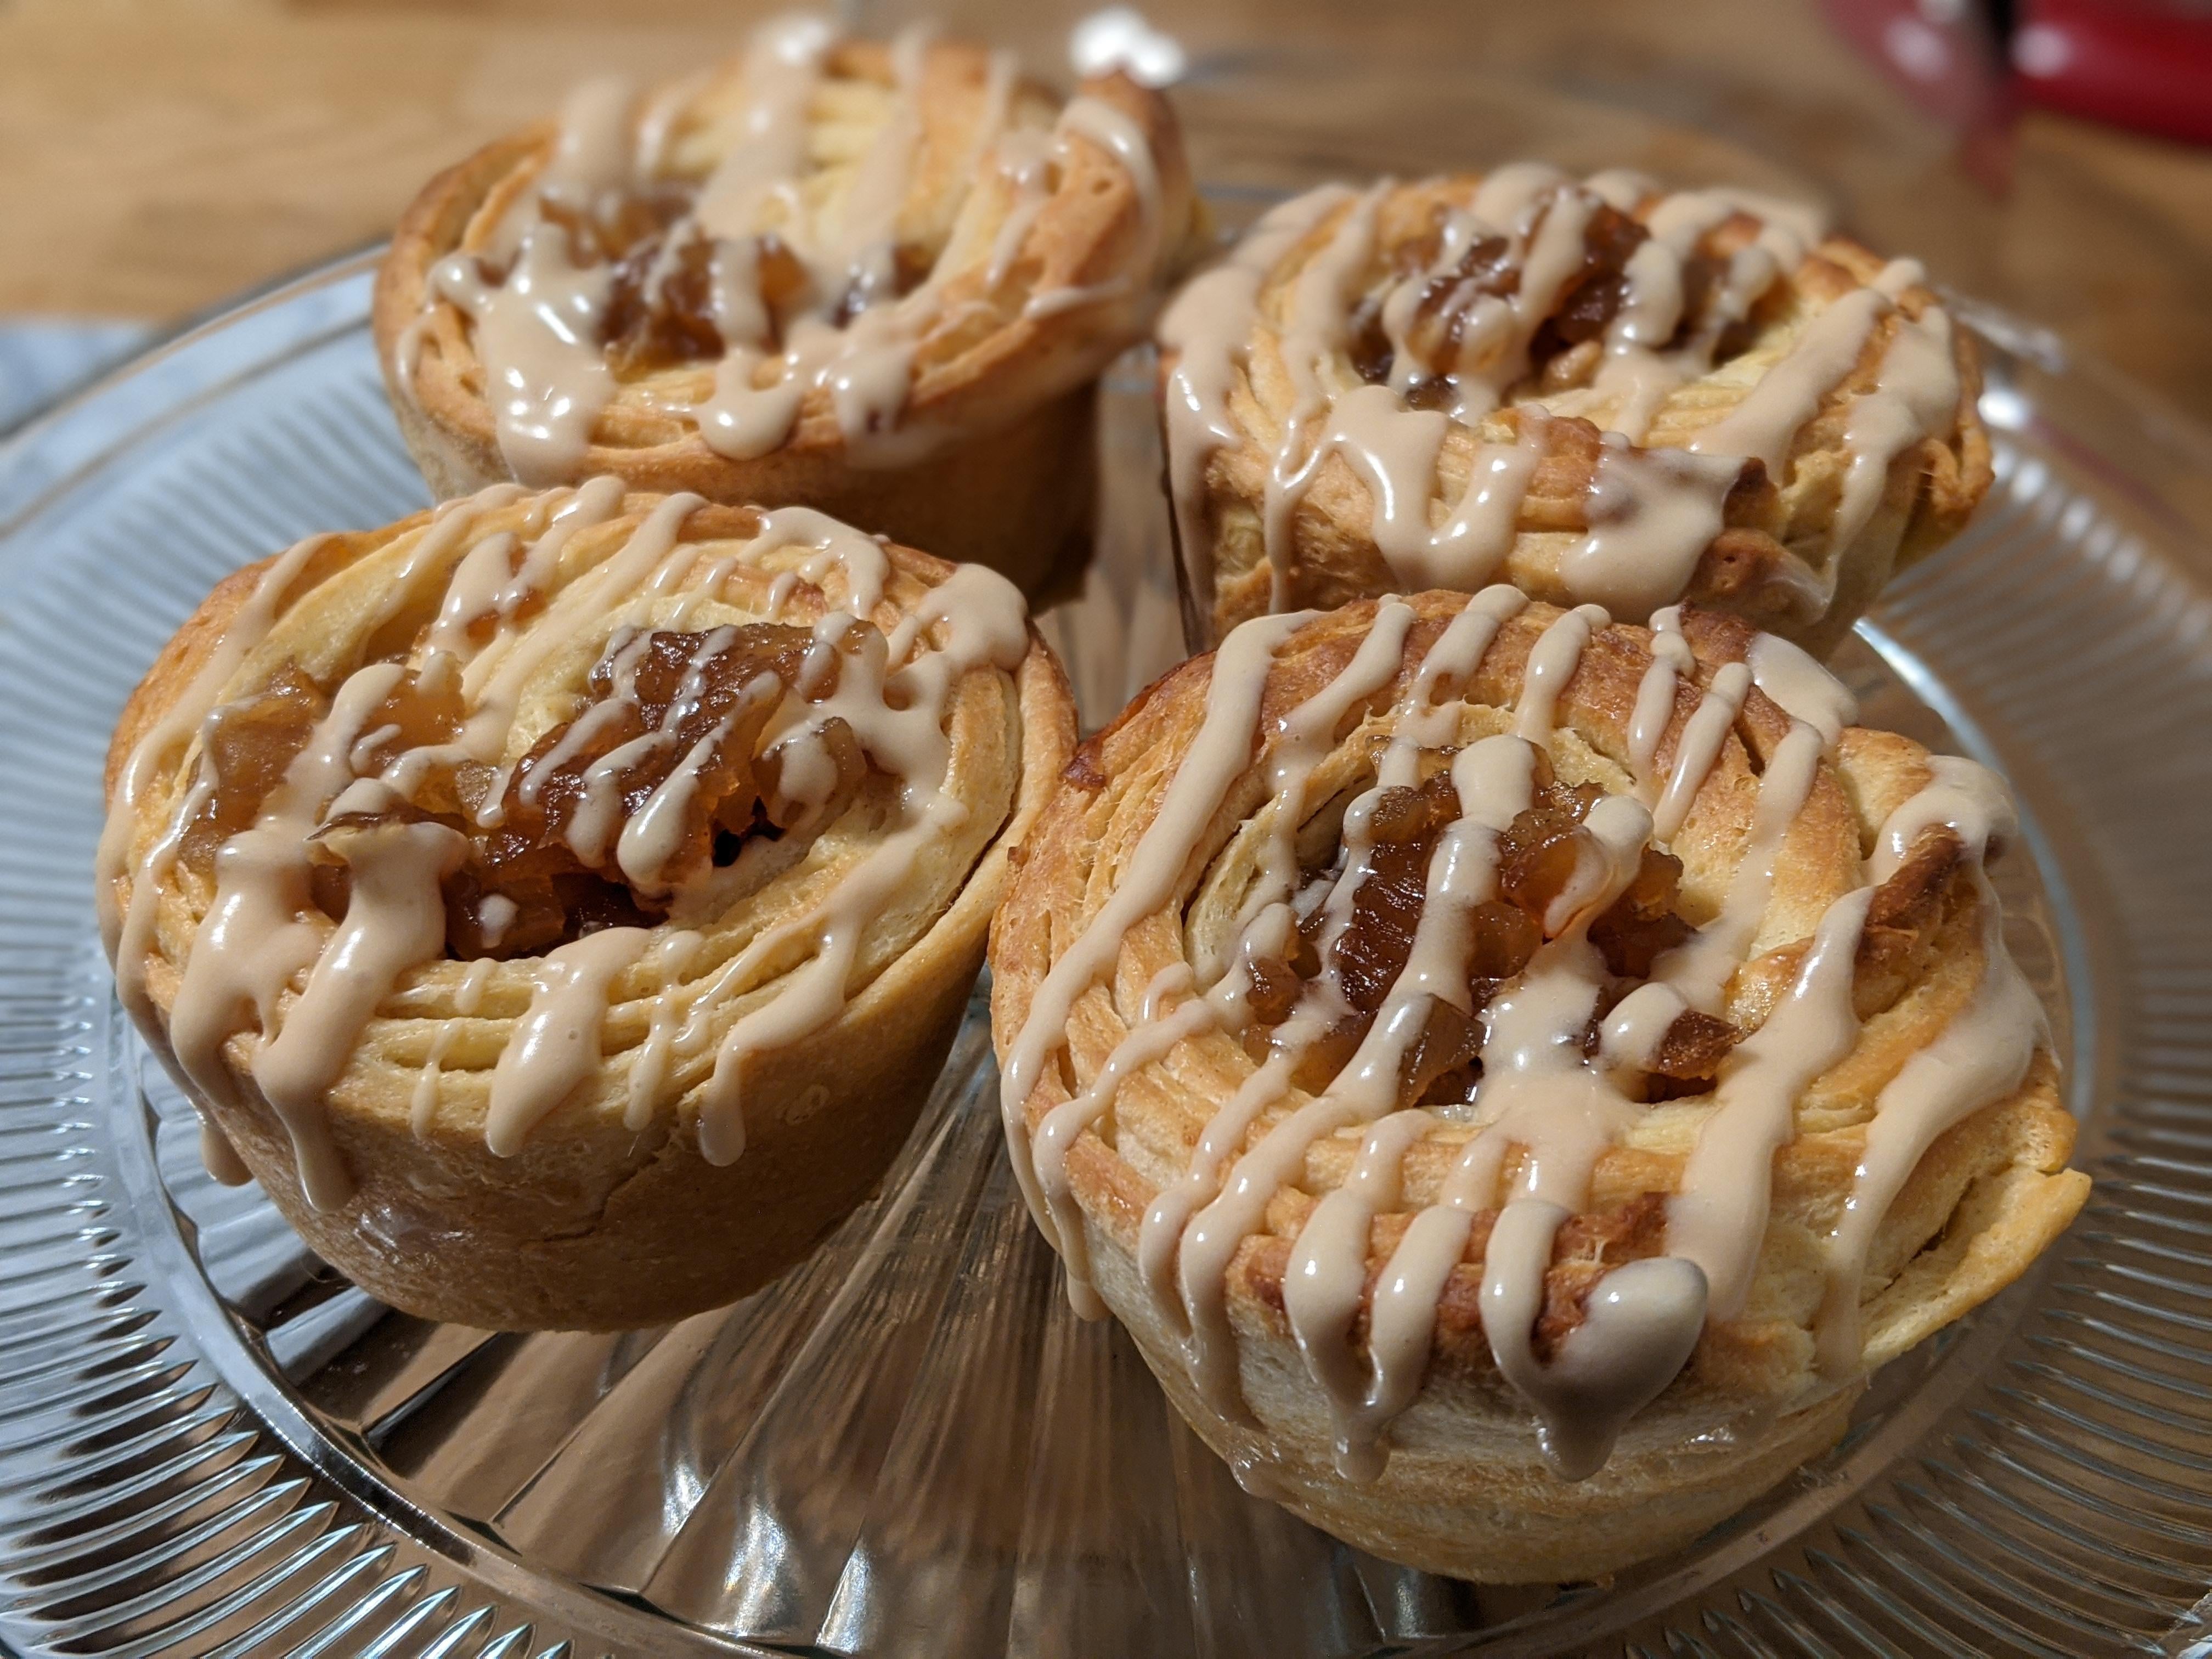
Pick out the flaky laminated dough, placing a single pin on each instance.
(1600, 390)
(561, 904)
(1515, 1074)
(877, 280)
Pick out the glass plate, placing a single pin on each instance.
(209, 1442)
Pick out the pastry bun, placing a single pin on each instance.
(1515, 1074)
(561, 904)
(879, 281)
(1598, 390)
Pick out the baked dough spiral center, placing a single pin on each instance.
(1600, 390)
(547, 758)
(1499, 907)
(809, 237)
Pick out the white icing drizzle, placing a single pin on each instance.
(1961, 796)
(654, 833)
(649, 1069)
(159, 746)
(1700, 969)
(867, 219)
(1099, 121)
(1316, 332)
(1545, 1112)
(467, 997)
(1717, 1218)
(267, 965)
(1698, 747)
(537, 331)
(1801, 687)
(1639, 1330)
(1209, 328)
(783, 69)
(555, 1048)
(1539, 1093)
(260, 929)
(1982, 1056)
(1493, 781)
(1197, 1243)
(1621, 188)
(1221, 749)
(1050, 302)
(1551, 662)
(1029, 163)
(1766, 423)
(494, 680)
(1652, 512)
(1915, 393)
(1304, 735)
(1671, 658)
(895, 704)
(848, 340)
(1327, 1273)
(395, 920)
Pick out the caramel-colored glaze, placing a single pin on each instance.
(1519, 1210)
(560, 903)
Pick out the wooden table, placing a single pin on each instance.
(158, 155)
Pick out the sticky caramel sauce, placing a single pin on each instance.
(660, 310)
(674, 686)
(655, 702)
(1538, 856)
(245, 747)
(1564, 351)
(1486, 269)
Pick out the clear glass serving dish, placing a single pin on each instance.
(211, 1443)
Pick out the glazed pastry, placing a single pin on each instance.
(1599, 391)
(561, 904)
(877, 281)
(1515, 1075)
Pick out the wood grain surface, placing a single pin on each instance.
(159, 156)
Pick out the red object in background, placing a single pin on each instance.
(2140, 63)
(1945, 55)
(2134, 63)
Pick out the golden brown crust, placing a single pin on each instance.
(592, 1223)
(1007, 395)
(1465, 1492)
(1775, 531)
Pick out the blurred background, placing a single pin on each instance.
(158, 157)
